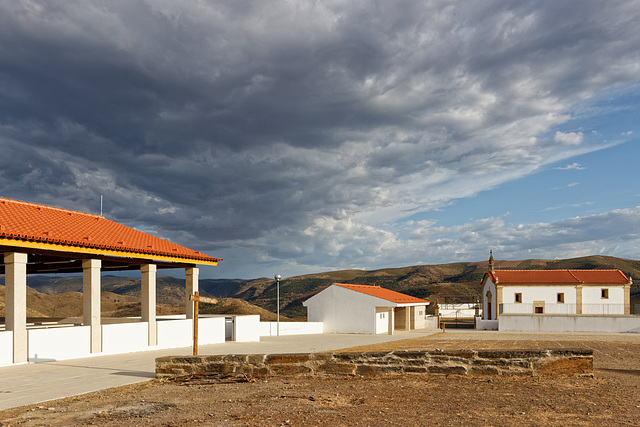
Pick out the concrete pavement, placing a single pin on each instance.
(39, 382)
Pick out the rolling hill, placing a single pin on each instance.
(121, 294)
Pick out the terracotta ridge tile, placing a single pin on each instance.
(40, 206)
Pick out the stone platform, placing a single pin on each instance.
(457, 362)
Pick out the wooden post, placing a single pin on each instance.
(196, 298)
(195, 323)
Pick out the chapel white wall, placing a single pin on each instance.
(593, 303)
(547, 294)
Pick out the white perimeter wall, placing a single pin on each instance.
(247, 328)
(63, 343)
(58, 343)
(211, 330)
(175, 333)
(6, 348)
(268, 329)
(179, 333)
(486, 325)
(344, 310)
(242, 328)
(49, 344)
(124, 337)
(431, 322)
(569, 323)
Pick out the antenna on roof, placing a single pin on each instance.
(101, 205)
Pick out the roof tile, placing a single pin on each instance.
(383, 293)
(559, 276)
(45, 224)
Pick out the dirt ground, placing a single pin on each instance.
(612, 397)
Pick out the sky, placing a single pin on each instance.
(296, 137)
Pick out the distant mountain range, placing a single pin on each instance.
(122, 294)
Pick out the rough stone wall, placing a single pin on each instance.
(460, 362)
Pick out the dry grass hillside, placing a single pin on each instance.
(424, 281)
(69, 305)
(238, 306)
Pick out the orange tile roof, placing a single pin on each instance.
(30, 222)
(386, 294)
(522, 277)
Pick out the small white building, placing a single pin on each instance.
(565, 292)
(364, 309)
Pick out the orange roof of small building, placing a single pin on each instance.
(522, 277)
(30, 222)
(383, 293)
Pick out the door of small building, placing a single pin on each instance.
(230, 328)
(382, 320)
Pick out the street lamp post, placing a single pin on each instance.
(278, 277)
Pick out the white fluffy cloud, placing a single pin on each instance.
(331, 244)
(572, 166)
(569, 138)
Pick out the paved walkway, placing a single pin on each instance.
(39, 382)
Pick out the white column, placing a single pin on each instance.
(192, 286)
(91, 301)
(412, 318)
(15, 278)
(407, 318)
(391, 322)
(148, 290)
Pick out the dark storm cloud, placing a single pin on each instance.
(221, 124)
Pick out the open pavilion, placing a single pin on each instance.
(36, 239)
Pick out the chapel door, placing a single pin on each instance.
(489, 312)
